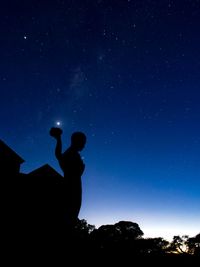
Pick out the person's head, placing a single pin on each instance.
(78, 140)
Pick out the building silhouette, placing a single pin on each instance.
(30, 201)
(10, 161)
(46, 174)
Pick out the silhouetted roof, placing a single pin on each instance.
(7, 153)
(47, 171)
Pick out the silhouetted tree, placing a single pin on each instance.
(153, 246)
(79, 238)
(193, 244)
(179, 245)
(128, 230)
(83, 226)
(120, 236)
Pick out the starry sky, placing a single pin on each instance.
(126, 73)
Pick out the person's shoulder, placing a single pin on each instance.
(70, 153)
(66, 152)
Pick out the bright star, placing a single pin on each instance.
(58, 123)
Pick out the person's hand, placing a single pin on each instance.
(55, 132)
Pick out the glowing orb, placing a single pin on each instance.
(58, 123)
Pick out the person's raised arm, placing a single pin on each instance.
(58, 150)
(56, 133)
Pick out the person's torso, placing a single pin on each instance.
(72, 164)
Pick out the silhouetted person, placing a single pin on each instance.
(73, 167)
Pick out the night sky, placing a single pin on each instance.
(127, 73)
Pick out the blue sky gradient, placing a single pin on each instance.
(127, 74)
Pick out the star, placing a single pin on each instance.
(58, 123)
